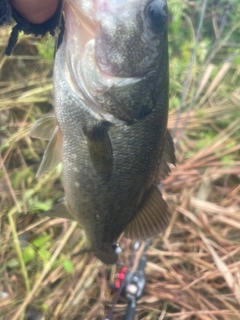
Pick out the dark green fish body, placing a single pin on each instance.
(111, 109)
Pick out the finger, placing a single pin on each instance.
(35, 11)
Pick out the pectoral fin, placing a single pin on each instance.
(59, 211)
(53, 153)
(167, 156)
(100, 149)
(152, 217)
(44, 127)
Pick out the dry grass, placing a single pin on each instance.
(193, 271)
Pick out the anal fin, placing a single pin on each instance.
(152, 217)
(100, 148)
(53, 153)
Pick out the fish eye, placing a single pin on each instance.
(156, 15)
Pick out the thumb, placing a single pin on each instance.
(35, 11)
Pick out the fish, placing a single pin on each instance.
(109, 127)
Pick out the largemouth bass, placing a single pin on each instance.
(110, 123)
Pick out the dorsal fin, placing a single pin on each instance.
(152, 216)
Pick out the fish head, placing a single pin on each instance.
(128, 34)
(117, 44)
(129, 37)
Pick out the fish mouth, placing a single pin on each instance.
(92, 74)
(88, 77)
(85, 24)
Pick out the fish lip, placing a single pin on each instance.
(107, 71)
(110, 74)
(90, 25)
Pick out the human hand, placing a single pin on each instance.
(35, 11)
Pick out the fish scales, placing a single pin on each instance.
(111, 111)
(95, 194)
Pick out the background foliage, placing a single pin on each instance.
(193, 270)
